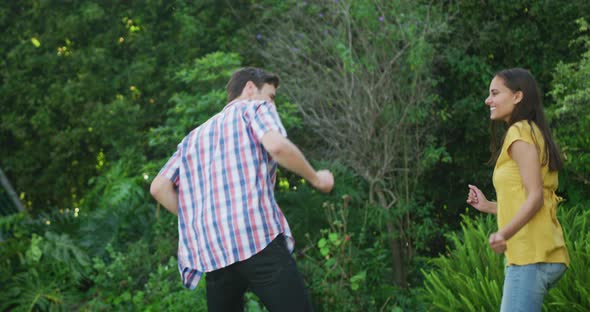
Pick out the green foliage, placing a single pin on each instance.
(86, 78)
(572, 292)
(116, 210)
(136, 281)
(336, 281)
(12, 225)
(469, 277)
(571, 115)
(204, 84)
(64, 221)
(31, 292)
(164, 292)
(63, 265)
(15, 241)
(483, 38)
(301, 202)
(143, 277)
(346, 262)
(361, 73)
(97, 94)
(62, 252)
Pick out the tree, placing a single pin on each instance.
(82, 82)
(571, 116)
(484, 37)
(361, 74)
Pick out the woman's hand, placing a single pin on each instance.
(497, 243)
(478, 200)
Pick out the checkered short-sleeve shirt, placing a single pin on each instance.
(225, 178)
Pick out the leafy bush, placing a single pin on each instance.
(571, 117)
(470, 276)
(347, 265)
(130, 282)
(117, 210)
(572, 292)
(203, 96)
(46, 274)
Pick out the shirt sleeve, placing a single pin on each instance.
(520, 131)
(266, 119)
(172, 167)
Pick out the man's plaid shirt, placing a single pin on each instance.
(225, 178)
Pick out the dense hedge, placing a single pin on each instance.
(96, 94)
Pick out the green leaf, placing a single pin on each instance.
(322, 243)
(333, 237)
(34, 253)
(330, 262)
(36, 42)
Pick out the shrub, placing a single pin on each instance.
(470, 276)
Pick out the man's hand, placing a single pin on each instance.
(324, 181)
(284, 152)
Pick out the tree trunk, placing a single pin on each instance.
(399, 269)
(11, 193)
(395, 244)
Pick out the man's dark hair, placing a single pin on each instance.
(239, 79)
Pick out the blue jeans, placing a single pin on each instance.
(525, 286)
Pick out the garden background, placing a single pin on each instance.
(95, 96)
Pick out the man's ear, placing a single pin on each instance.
(518, 95)
(249, 88)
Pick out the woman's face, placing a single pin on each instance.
(502, 100)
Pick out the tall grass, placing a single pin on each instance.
(469, 277)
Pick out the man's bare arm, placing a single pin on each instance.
(289, 156)
(162, 189)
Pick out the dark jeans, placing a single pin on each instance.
(270, 274)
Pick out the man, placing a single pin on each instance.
(220, 183)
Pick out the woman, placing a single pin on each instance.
(525, 178)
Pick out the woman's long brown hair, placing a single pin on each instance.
(530, 109)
